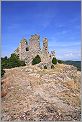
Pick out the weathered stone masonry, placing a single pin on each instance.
(29, 51)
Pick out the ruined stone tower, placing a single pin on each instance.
(28, 52)
(45, 55)
(45, 46)
(34, 43)
(34, 48)
(22, 49)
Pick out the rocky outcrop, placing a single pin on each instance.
(42, 94)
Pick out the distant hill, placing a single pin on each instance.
(74, 63)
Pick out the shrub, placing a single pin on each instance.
(52, 66)
(4, 62)
(14, 61)
(60, 61)
(45, 67)
(11, 62)
(2, 72)
(22, 63)
(36, 60)
(54, 60)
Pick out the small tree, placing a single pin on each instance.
(14, 61)
(11, 62)
(36, 60)
(54, 60)
(4, 62)
(60, 61)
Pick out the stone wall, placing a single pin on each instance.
(45, 46)
(22, 49)
(45, 53)
(34, 48)
(52, 54)
(34, 43)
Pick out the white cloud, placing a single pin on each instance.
(69, 55)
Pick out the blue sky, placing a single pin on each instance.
(58, 21)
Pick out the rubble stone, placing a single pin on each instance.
(48, 94)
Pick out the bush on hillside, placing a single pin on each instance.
(36, 60)
(14, 61)
(54, 60)
(60, 61)
(4, 62)
(11, 62)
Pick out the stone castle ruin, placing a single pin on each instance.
(27, 52)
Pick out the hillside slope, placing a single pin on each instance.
(35, 94)
(74, 63)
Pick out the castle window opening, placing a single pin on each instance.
(27, 49)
